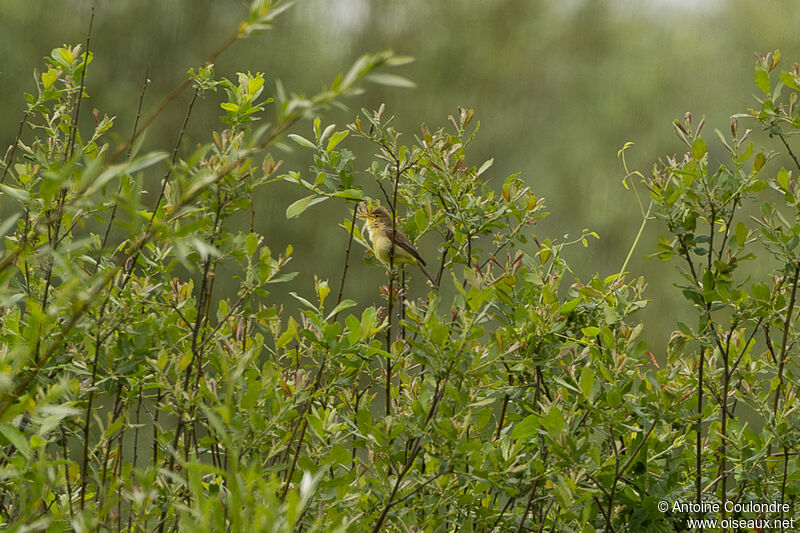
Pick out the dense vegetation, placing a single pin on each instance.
(135, 396)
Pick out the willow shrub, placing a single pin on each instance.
(133, 396)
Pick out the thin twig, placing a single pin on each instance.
(127, 156)
(347, 256)
(788, 148)
(73, 128)
(13, 148)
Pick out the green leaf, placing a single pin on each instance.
(553, 422)
(335, 139)
(569, 306)
(741, 234)
(145, 161)
(485, 166)
(783, 179)
(304, 301)
(251, 243)
(302, 204)
(396, 61)
(369, 319)
(591, 331)
(613, 398)
(699, 148)
(708, 280)
(49, 78)
(184, 361)
(19, 194)
(8, 223)
(761, 292)
(607, 337)
(759, 161)
(586, 381)
(302, 141)
(391, 80)
(526, 427)
(287, 336)
(788, 80)
(761, 78)
(757, 185)
(350, 194)
(440, 334)
(16, 438)
(354, 328)
(229, 106)
(344, 304)
(746, 154)
(283, 278)
(113, 427)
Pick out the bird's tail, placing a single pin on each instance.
(428, 275)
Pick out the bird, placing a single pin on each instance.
(379, 227)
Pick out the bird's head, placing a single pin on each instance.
(375, 215)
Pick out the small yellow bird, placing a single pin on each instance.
(379, 226)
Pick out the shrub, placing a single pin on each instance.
(133, 396)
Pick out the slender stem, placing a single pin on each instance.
(119, 404)
(728, 227)
(73, 128)
(159, 397)
(164, 180)
(136, 451)
(636, 240)
(347, 256)
(174, 158)
(66, 471)
(89, 405)
(637, 450)
(415, 448)
(785, 339)
(789, 149)
(388, 388)
(544, 516)
(13, 149)
(699, 430)
(783, 481)
(602, 510)
(502, 512)
(293, 465)
(528, 503)
(711, 224)
(127, 157)
(613, 491)
(502, 416)
(723, 447)
(302, 425)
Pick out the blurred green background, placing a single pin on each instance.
(559, 87)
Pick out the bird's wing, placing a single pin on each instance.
(403, 242)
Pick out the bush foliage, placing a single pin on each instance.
(135, 397)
